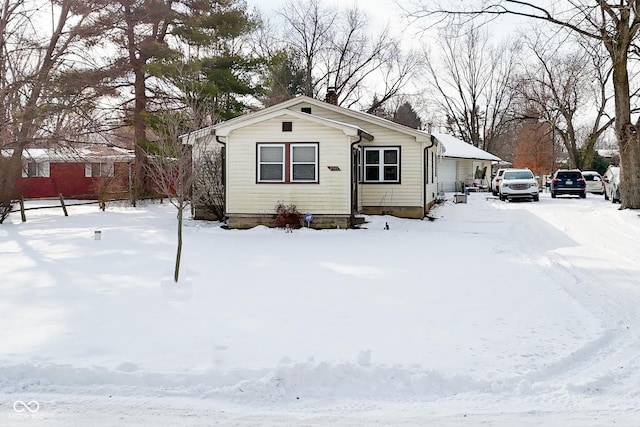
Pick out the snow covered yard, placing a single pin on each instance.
(498, 313)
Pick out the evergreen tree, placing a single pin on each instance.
(151, 32)
(406, 115)
(285, 79)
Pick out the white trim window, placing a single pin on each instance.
(271, 162)
(381, 164)
(304, 163)
(32, 169)
(98, 169)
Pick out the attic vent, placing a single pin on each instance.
(287, 126)
(306, 110)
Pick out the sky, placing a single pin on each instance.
(380, 11)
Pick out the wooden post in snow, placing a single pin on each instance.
(22, 214)
(64, 208)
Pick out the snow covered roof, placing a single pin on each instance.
(608, 153)
(81, 153)
(456, 148)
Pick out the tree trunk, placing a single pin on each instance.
(139, 126)
(628, 142)
(176, 272)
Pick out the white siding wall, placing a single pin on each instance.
(410, 190)
(454, 171)
(246, 196)
(465, 171)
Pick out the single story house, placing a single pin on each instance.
(461, 164)
(86, 171)
(330, 162)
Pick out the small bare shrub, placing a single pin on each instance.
(287, 215)
(209, 182)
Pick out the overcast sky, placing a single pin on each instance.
(380, 11)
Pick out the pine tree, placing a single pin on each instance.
(406, 115)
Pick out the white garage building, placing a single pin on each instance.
(462, 164)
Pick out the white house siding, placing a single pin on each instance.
(465, 171)
(245, 196)
(453, 172)
(409, 192)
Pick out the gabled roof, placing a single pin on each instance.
(257, 116)
(453, 147)
(223, 129)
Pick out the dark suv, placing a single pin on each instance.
(568, 181)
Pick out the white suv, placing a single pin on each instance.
(611, 180)
(519, 184)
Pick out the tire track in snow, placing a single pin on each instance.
(602, 277)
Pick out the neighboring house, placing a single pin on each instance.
(89, 171)
(462, 164)
(331, 162)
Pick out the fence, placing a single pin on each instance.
(63, 205)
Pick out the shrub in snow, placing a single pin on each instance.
(287, 215)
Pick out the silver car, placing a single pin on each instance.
(594, 182)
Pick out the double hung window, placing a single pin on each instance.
(288, 163)
(381, 164)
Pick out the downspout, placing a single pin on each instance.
(224, 170)
(353, 178)
(425, 176)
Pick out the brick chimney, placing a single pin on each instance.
(332, 96)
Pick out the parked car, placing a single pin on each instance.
(495, 182)
(568, 182)
(518, 184)
(611, 179)
(594, 182)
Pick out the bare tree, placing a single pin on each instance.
(561, 88)
(337, 49)
(170, 168)
(308, 32)
(613, 24)
(47, 86)
(169, 161)
(473, 84)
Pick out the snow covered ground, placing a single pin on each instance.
(496, 313)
